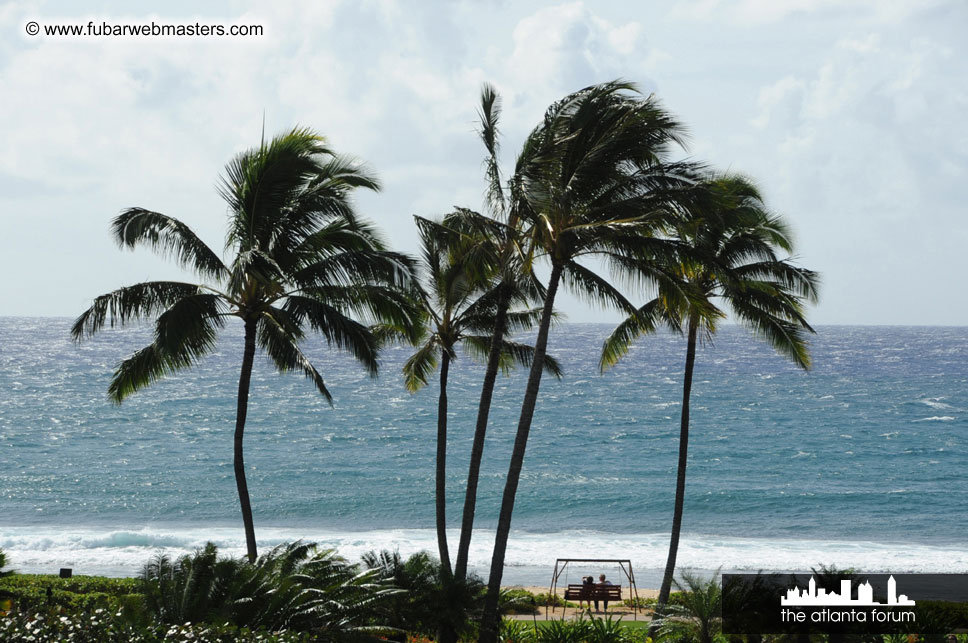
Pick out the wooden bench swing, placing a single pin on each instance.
(581, 592)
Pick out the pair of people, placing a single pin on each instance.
(588, 583)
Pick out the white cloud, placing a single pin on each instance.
(763, 12)
(848, 115)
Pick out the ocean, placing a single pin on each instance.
(860, 462)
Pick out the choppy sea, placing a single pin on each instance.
(860, 462)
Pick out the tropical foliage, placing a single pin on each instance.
(303, 261)
(597, 182)
(102, 626)
(698, 615)
(729, 253)
(3, 563)
(604, 630)
(459, 301)
(595, 202)
(498, 237)
(291, 587)
(431, 600)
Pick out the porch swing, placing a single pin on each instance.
(594, 592)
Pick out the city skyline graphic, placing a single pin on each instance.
(814, 596)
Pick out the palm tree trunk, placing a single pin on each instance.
(680, 474)
(480, 431)
(441, 487)
(489, 621)
(242, 410)
(445, 632)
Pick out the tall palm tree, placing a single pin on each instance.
(595, 185)
(731, 257)
(302, 261)
(499, 233)
(458, 302)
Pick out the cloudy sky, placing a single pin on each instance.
(850, 114)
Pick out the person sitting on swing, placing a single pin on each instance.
(587, 590)
(602, 582)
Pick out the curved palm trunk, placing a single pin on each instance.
(242, 410)
(489, 622)
(441, 476)
(681, 473)
(445, 633)
(480, 431)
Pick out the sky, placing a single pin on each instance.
(849, 115)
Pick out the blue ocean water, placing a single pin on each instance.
(859, 462)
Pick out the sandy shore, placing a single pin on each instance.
(568, 613)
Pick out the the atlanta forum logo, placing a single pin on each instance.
(834, 607)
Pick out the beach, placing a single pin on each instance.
(570, 613)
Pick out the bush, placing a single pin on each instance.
(429, 600)
(516, 632)
(3, 563)
(518, 601)
(28, 592)
(697, 614)
(607, 630)
(552, 600)
(291, 587)
(641, 603)
(101, 626)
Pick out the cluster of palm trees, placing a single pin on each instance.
(595, 186)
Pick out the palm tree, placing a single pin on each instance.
(731, 256)
(596, 184)
(458, 303)
(302, 261)
(499, 235)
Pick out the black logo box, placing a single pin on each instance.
(751, 604)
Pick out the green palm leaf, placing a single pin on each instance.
(170, 237)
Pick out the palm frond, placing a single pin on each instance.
(594, 288)
(282, 348)
(512, 354)
(644, 321)
(489, 115)
(170, 237)
(183, 334)
(339, 330)
(419, 366)
(131, 303)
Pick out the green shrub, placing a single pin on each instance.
(606, 630)
(642, 603)
(101, 626)
(29, 592)
(3, 563)
(518, 601)
(516, 632)
(954, 615)
(552, 600)
(429, 600)
(291, 587)
(565, 632)
(697, 614)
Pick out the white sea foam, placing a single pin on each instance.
(122, 552)
(936, 418)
